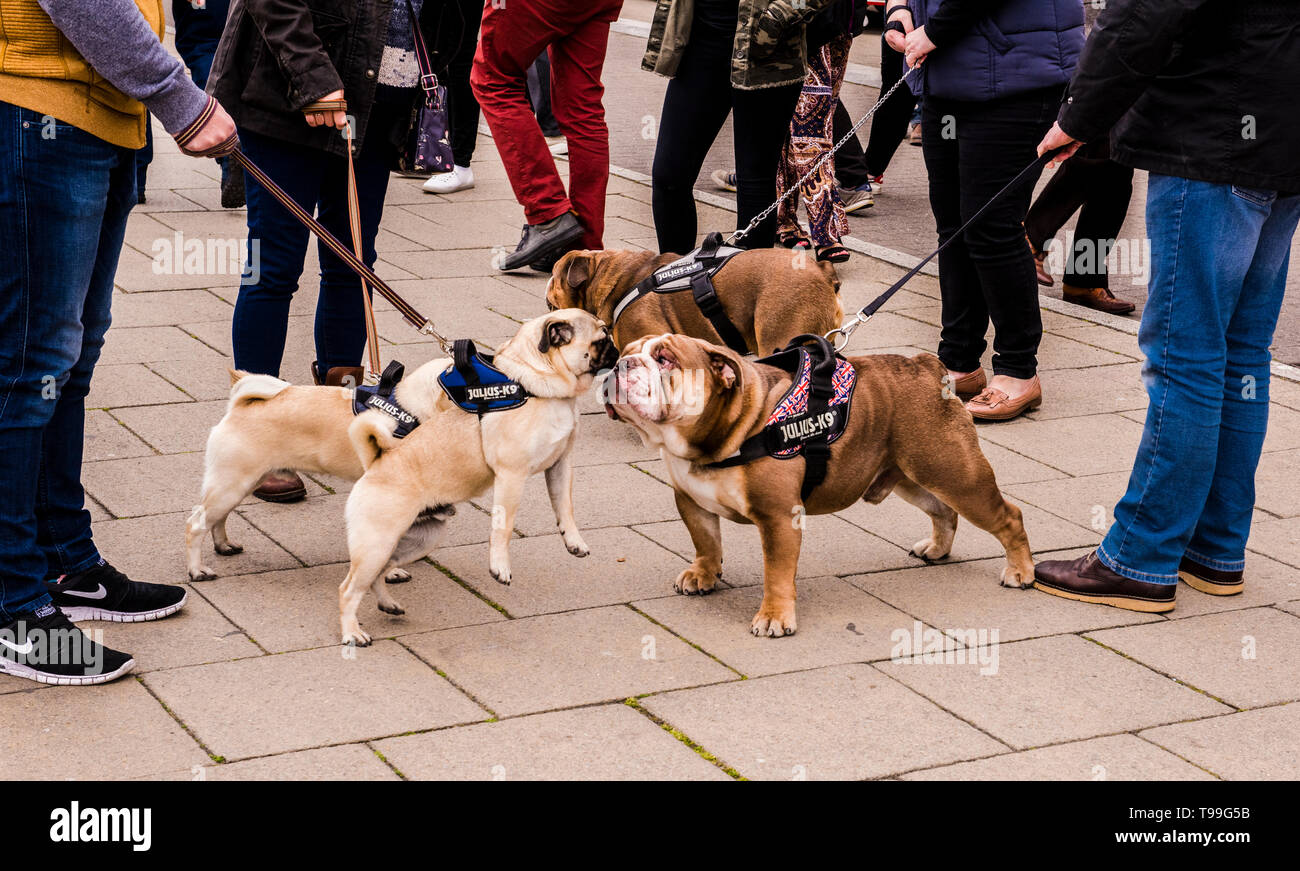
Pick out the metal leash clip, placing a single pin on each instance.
(429, 330)
(840, 335)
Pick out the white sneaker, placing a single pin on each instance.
(461, 178)
(558, 145)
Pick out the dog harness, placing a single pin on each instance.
(473, 383)
(695, 272)
(810, 416)
(381, 398)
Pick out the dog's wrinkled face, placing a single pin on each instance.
(573, 341)
(569, 277)
(671, 383)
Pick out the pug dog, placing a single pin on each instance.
(771, 295)
(906, 432)
(455, 455)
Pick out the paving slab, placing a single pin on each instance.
(132, 384)
(609, 742)
(152, 549)
(1116, 757)
(165, 308)
(1263, 744)
(1279, 539)
(295, 701)
(195, 635)
(1247, 658)
(847, 722)
(107, 439)
(350, 762)
(147, 344)
(1109, 444)
(1275, 489)
(174, 429)
(564, 660)
(1055, 689)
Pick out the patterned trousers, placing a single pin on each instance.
(810, 138)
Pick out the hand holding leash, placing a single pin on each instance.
(1059, 141)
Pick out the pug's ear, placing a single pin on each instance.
(724, 370)
(556, 335)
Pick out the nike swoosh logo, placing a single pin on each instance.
(21, 651)
(98, 594)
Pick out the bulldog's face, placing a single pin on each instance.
(672, 388)
(582, 279)
(574, 342)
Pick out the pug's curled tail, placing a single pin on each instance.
(371, 433)
(246, 388)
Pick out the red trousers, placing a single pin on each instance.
(576, 32)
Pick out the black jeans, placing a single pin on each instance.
(1103, 188)
(454, 43)
(695, 107)
(972, 150)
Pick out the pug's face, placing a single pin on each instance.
(561, 349)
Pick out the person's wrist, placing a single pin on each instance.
(895, 9)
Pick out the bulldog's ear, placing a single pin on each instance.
(724, 370)
(556, 334)
(570, 275)
(579, 268)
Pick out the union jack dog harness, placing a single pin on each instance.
(695, 272)
(810, 416)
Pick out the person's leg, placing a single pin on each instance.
(695, 107)
(539, 93)
(277, 244)
(964, 315)
(850, 160)
(889, 124)
(1108, 190)
(1060, 198)
(462, 108)
(760, 125)
(576, 98)
(827, 222)
(1219, 539)
(1196, 286)
(54, 196)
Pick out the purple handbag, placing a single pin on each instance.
(428, 145)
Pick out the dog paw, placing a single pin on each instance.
(773, 623)
(392, 607)
(928, 549)
(1017, 579)
(695, 581)
(356, 638)
(228, 549)
(577, 547)
(501, 576)
(397, 576)
(203, 573)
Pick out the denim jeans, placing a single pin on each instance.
(64, 199)
(315, 180)
(1218, 271)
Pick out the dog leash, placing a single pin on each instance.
(350, 256)
(840, 335)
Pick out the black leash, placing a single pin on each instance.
(840, 335)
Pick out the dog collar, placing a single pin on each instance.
(381, 397)
(474, 384)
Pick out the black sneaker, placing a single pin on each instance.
(47, 648)
(543, 240)
(104, 593)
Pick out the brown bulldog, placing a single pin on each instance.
(904, 432)
(771, 295)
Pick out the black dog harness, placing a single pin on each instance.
(810, 416)
(695, 272)
(381, 398)
(476, 385)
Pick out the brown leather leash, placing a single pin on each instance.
(350, 256)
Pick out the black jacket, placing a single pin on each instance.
(1201, 89)
(277, 56)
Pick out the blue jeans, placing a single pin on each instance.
(317, 180)
(1219, 262)
(64, 199)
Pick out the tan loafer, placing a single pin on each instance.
(994, 404)
(1099, 298)
(967, 384)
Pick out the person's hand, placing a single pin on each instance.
(216, 130)
(1055, 138)
(893, 38)
(336, 118)
(916, 46)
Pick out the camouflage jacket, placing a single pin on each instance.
(769, 49)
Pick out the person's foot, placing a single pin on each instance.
(1006, 398)
(104, 593)
(47, 648)
(795, 240)
(877, 185)
(914, 134)
(557, 145)
(543, 240)
(1213, 581)
(547, 263)
(1099, 298)
(856, 198)
(724, 179)
(833, 253)
(232, 187)
(1088, 579)
(282, 485)
(461, 178)
(967, 384)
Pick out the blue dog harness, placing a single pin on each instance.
(477, 386)
(810, 416)
(695, 272)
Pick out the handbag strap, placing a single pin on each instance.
(428, 79)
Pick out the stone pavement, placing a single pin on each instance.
(593, 668)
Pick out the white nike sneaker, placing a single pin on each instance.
(461, 178)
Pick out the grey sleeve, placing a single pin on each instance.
(118, 43)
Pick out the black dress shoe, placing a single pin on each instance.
(1088, 579)
(103, 593)
(1212, 581)
(543, 240)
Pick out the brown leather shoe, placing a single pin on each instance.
(994, 404)
(968, 384)
(1099, 298)
(281, 486)
(1040, 265)
(1088, 579)
(1212, 581)
(338, 376)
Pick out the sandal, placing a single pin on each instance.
(833, 253)
(794, 241)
